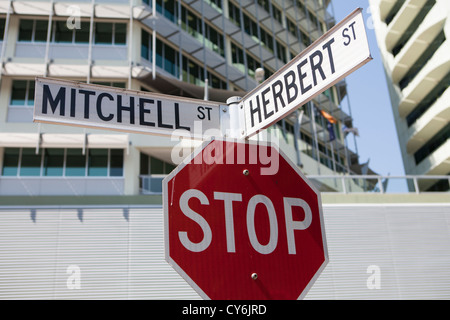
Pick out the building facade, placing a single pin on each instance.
(413, 39)
(171, 47)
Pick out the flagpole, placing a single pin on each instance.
(316, 142)
(297, 126)
(332, 155)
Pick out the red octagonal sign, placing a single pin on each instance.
(242, 222)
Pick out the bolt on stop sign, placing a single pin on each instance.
(242, 222)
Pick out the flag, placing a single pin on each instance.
(328, 116)
(330, 128)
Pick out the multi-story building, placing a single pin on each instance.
(173, 49)
(413, 39)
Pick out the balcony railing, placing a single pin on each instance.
(151, 184)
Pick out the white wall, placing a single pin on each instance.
(118, 253)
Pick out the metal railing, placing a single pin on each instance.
(151, 184)
(381, 184)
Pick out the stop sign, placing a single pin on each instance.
(242, 222)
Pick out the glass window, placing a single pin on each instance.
(40, 33)
(30, 94)
(156, 166)
(22, 93)
(98, 162)
(145, 45)
(31, 162)
(116, 163)
(62, 33)
(10, 162)
(2, 28)
(82, 34)
(75, 163)
(53, 162)
(19, 93)
(103, 33)
(120, 33)
(25, 30)
(144, 164)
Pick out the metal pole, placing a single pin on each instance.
(130, 42)
(49, 33)
(5, 38)
(316, 141)
(91, 36)
(241, 18)
(154, 40)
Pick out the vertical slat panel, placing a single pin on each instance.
(120, 253)
(410, 244)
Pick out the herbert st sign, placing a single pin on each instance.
(339, 52)
(90, 105)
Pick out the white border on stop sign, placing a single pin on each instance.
(188, 160)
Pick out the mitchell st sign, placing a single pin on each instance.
(88, 105)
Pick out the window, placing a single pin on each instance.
(103, 33)
(22, 93)
(82, 34)
(116, 163)
(167, 58)
(75, 163)
(2, 28)
(53, 162)
(33, 30)
(152, 165)
(26, 30)
(10, 162)
(110, 84)
(193, 24)
(237, 56)
(62, 33)
(30, 164)
(56, 162)
(110, 33)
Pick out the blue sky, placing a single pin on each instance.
(370, 103)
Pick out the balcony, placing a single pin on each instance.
(426, 79)
(438, 162)
(69, 186)
(429, 123)
(402, 20)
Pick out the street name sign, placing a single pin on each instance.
(242, 222)
(89, 105)
(336, 54)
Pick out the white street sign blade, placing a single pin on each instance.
(336, 54)
(87, 105)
